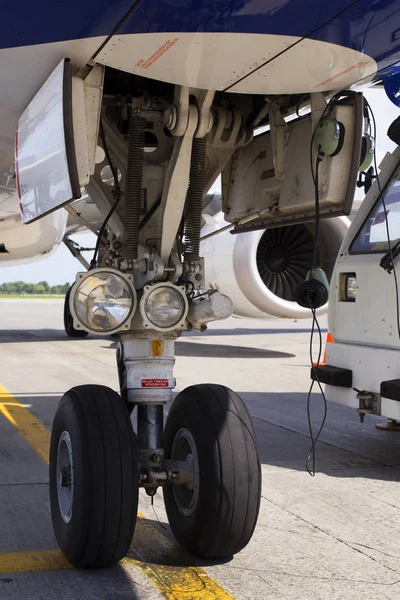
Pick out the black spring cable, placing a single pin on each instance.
(315, 323)
(116, 191)
(194, 202)
(381, 197)
(314, 439)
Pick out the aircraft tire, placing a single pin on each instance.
(214, 516)
(68, 320)
(94, 504)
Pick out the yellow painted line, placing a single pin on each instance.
(174, 582)
(181, 583)
(172, 573)
(27, 425)
(25, 562)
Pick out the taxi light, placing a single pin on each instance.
(103, 301)
(164, 307)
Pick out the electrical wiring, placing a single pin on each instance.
(315, 323)
(116, 191)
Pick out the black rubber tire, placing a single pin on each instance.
(227, 509)
(106, 479)
(69, 322)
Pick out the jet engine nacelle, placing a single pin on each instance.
(260, 270)
(21, 244)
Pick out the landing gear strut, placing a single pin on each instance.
(147, 285)
(206, 460)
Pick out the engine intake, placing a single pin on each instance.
(260, 270)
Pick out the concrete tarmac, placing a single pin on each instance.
(332, 536)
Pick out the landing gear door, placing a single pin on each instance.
(51, 154)
(271, 181)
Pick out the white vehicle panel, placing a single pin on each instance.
(370, 366)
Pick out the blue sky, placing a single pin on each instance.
(62, 267)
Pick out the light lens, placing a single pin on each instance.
(103, 302)
(351, 288)
(164, 307)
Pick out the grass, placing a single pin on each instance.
(36, 296)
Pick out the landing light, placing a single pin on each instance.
(103, 301)
(164, 307)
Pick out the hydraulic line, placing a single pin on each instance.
(194, 200)
(133, 193)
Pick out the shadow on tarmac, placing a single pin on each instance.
(191, 349)
(223, 332)
(346, 447)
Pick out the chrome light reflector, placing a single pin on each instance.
(351, 288)
(164, 307)
(348, 287)
(103, 300)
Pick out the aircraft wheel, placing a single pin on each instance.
(215, 515)
(94, 481)
(69, 322)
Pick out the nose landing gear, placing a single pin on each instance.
(210, 474)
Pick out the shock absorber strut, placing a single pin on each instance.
(194, 200)
(133, 187)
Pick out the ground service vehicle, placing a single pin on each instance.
(363, 358)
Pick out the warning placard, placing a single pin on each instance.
(155, 383)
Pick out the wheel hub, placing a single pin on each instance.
(65, 476)
(186, 494)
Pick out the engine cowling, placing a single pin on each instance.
(21, 244)
(260, 270)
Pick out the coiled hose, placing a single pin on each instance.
(133, 190)
(194, 200)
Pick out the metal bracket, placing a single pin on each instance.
(369, 403)
(176, 185)
(76, 250)
(204, 102)
(70, 209)
(176, 117)
(227, 128)
(193, 271)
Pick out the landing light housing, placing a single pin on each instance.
(348, 287)
(103, 301)
(164, 307)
